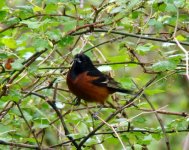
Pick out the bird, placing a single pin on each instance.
(8, 63)
(86, 82)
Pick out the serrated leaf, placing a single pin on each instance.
(40, 44)
(143, 49)
(164, 65)
(35, 24)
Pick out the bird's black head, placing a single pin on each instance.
(82, 59)
(81, 64)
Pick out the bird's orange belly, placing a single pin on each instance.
(83, 88)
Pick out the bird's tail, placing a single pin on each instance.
(122, 90)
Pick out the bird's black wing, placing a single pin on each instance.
(107, 81)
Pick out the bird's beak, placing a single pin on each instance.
(77, 60)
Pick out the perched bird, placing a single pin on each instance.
(8, 63)
(86, 82)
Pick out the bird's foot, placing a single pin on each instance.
(76, 101)
(95, 115)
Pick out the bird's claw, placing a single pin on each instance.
(95, 115)
(76, 101)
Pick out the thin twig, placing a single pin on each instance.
(32, 131)
(130, 35)
(113, 131)
(131, 101)
(158, 118)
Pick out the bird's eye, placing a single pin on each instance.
(78, 60)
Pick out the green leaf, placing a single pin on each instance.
(3, 55)
(161, 6)
(181, 38)
(152, 22)
(37, 9)
(9, 42)
(26, 8)
(69, 25)
(116, 10)
(117, 58)
(171, 8)
(176, 58)
(132, 4)
(17, 65)
(12, 21)
(2, 4)
(91, 141)
(157, 24)
(153, 91)
(31, 24)
(143, 49)
(135, 14)
(35, 24)
(157, 136)
(140, 119)
(126, 82)
(66, 40)
(14, 95)
(54, 34)
(164, 65)
(40, 44)
(41, 123)
(27, 116)
(180, 3)
(2, 15)
(51, 8)
(146, 140)
(6, 98)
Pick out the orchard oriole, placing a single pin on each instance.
(86, 82)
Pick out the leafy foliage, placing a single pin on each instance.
(142, 44)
